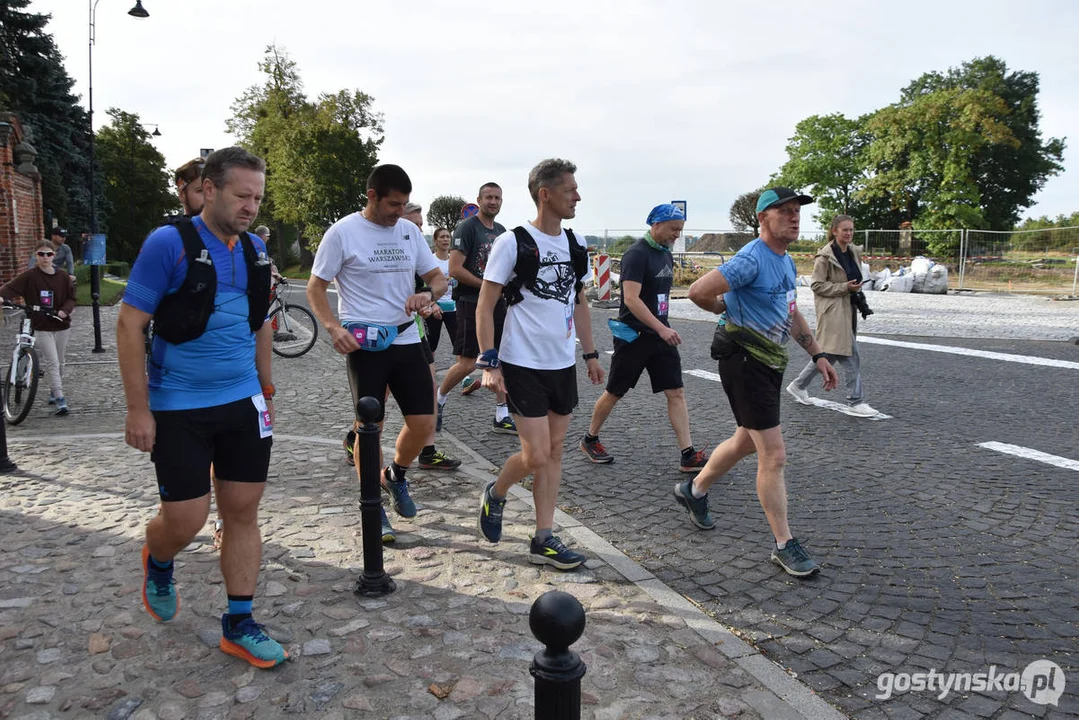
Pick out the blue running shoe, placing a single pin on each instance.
(696, 507)
(402, 501)
(505, 426)
(247, 641)
(491, 515)
(159, 595)
(388, 535)
(553, 551)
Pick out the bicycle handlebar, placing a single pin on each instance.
(48, 312)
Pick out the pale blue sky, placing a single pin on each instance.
(694, 101)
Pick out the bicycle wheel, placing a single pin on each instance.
(19, 396)
(294, 330)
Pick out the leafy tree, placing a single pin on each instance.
(1007, 175)
(137, 183)
(923, 155)
(743, 214)
(445, 211)
(318, 154)
(35, 86)
(825, 160)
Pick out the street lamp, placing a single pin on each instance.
(95, 271)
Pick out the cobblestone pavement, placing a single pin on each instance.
(937, 553)
(452, 642)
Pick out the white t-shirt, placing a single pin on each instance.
(375, 269)
(446, 301)
(539, 331)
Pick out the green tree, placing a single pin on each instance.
(743, 213)
(35, 86)
(445, 211)
(824, 160)
(922, 156)
(137, 184)
(1007, 175)
(318, 154)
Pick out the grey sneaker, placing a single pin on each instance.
(799, 394)
(861, 410)
(794, 559)
(697, 507)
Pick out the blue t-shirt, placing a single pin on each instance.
(761, 301)
(218, 367)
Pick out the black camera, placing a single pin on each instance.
(860, 302)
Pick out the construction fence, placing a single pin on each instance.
(1022, 261)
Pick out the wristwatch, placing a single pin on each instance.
(594, 355)
(268, 391)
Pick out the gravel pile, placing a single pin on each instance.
(986, 316)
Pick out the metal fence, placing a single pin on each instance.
(1022, 261)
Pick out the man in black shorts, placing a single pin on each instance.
(374, 256)
(472, 241)
(206, 398)
(756, 291)
(647, 341)
(535, 364)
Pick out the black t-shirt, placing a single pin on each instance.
(474, 240)
(846, 261)
(653, 269)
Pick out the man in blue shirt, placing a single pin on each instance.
(205, 404)
(757, 290)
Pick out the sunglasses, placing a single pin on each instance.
(45, 254)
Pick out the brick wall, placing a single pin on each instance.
(21, 214)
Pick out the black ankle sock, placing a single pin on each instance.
(428, 451)
(688, 451)
(350, 438)
(590, 438)
(398, 472)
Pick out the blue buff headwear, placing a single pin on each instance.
(663, 213)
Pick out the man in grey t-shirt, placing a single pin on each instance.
(472, 241)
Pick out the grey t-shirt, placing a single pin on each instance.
(474, 240)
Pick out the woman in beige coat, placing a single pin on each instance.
(837, 275)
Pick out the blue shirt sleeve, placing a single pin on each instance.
(157, 270)
(740, 271)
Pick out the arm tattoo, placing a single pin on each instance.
(804, 339)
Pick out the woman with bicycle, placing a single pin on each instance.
(53, 291)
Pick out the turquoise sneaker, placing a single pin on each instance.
(247, 641)
(159, 595)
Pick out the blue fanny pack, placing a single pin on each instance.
(622, 331)
(374, 337)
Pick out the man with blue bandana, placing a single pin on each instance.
(644, 339)
(756, 288)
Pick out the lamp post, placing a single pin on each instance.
(95, 272)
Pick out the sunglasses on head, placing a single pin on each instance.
(45, 253)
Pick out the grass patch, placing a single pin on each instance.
(295, 272)
(111, 292)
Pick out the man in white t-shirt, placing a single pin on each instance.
(535, 364)
(374, 257)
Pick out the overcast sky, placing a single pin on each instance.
(694, 101)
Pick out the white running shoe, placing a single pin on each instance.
(800, 395)
(861, 410)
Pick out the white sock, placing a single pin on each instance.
(697, 494)
(442, 398)
(501, 412)
(780, 547)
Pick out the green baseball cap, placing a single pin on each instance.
(778, 196)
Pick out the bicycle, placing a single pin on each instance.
(20, 385)
(295, 329)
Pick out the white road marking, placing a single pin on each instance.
(704, 374)
(1030, 454)
(987, 354)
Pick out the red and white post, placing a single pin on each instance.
(603, 277)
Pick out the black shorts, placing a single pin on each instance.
(401, 368)
(187, 442)
(428, 353)
(647, 352)
(466, 327)
(752, 389)
(434, 331)
(532, 393)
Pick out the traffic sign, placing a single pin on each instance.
(680, 204)
(469, 210)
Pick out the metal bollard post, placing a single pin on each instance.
(557, 621)
(6, 465)
(374, 581)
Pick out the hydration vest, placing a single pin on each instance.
(182, 316)
(528, 263)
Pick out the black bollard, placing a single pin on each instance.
(374, 581)
(6, 465)
(557, 621)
